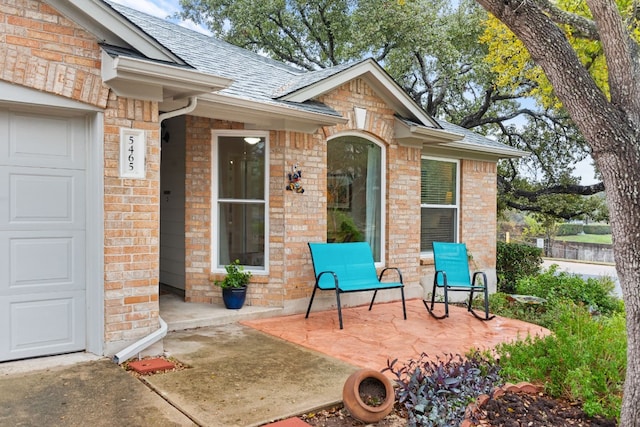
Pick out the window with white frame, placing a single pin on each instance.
(355, 192)
(240, 199)
(439, 202)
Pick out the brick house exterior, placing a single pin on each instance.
(60, 60)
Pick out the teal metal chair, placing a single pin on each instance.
(452, 275)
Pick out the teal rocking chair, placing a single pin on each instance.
(452, 275)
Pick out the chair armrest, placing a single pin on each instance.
(390, 268)
(335, 278)
(481, 274)
(444, 277)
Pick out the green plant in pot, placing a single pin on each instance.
(234, 285)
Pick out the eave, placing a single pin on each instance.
(260, 115)
(417, 136)
(153, 81)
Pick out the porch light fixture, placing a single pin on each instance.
(252, 140)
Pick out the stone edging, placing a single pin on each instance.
(476, 407)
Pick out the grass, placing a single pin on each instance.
(587, 238)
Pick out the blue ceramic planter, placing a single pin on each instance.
(234, 297)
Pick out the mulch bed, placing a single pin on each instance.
(509, 410)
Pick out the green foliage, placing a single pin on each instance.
(515, 261)
(583, 360)
(236, 276)
(597, 229)
(437, 393)
(556, 286)
(569, 229)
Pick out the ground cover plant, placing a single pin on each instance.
(437, 392)
(584, 360)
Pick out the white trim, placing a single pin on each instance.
(455, 206)
(383, 185)
(109, 26)
(263, 115)
(215, 241)
(153, 81)
(95, 235)
(378, 79)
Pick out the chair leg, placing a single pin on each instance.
(446, 302)
(373, 299)
(433, 301)
(313, 294)
(486, 307)
(404, 307)
(339, 308)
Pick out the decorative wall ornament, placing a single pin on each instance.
(295, 180)
(360, 116)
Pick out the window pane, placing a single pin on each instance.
(354, 192)
(437, 225)
(241, 168)
(242, 233)
(438, 182)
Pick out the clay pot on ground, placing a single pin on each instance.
(368, 395)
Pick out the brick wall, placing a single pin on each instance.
(131, 227)
(43, 50)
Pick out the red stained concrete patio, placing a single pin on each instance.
(370, 338)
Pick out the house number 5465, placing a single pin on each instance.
(132, 149)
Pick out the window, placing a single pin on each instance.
(439, 202)
(240, 199)
(355, 192)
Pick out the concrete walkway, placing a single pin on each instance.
(240, 375)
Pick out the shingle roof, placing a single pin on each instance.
(255, 77)
(471, 137)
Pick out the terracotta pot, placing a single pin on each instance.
(357, 386)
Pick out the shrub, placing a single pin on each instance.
(584, 359)
(568, 229)
(514, 261)
(597, 229)
(552, 285)
(437, 393)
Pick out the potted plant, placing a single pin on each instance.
(234, 285)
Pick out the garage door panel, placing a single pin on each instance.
(43, 323)
(39, 198)
(42, 233)
(42, 140)
(41, 261)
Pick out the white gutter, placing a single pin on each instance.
(135, 348)
(193, 102)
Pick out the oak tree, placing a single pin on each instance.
(610, 123)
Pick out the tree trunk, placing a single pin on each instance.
(611, 127)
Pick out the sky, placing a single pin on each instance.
(165, 8)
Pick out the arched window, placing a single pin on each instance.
(355, 192)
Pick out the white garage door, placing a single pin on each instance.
(42, 234)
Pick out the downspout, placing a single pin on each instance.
(193, 102)
(138, 346)
(135, 348)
